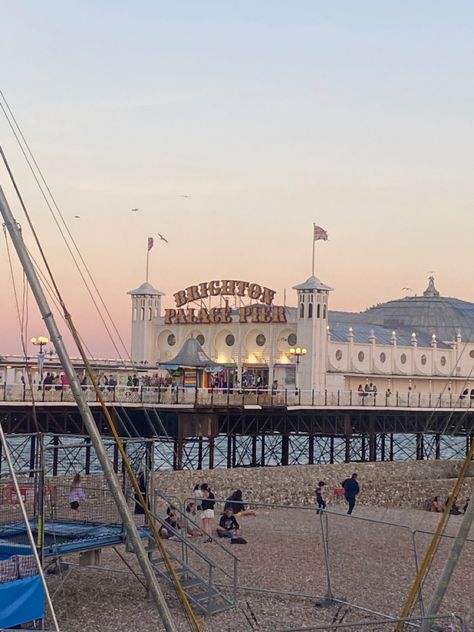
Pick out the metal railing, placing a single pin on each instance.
(233, 397)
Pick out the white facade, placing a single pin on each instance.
(340, 356)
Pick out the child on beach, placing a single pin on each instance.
(319, 496)
(76, 493)
(228, 525)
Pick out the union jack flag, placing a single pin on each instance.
(151, 242)
(320, 233)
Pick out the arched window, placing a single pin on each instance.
(142, 313)
(302, 310)
(310, 310)
(318, 311)
(324, 311)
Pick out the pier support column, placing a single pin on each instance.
(390, 457)
(199, 467)
(229, 452)
(420, 446)
(372, 441)
(254, 451)
(311, 449)
(262, 453)
(382, 447)
(348, 435)
(331, 450)
(362, 448)
(211, 452)
(32, 454)
(285, 449)
(438, 447)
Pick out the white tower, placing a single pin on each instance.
(146, 311)
(311, 333)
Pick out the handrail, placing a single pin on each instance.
(183, 513)
(162, 522)
(166, 396)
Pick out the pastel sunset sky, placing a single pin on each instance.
(268, 116)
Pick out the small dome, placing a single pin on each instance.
(145, 289)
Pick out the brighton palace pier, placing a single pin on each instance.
(231, 369)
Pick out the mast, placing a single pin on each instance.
(86, 414)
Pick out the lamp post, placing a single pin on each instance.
(40, 342)
(297, 352)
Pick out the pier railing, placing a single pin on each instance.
(233, 397)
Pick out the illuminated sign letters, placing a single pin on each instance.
(264, 312)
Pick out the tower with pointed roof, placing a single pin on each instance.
(146, 310)
(312, 320)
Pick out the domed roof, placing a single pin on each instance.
(430, 313)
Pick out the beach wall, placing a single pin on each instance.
(387, 484)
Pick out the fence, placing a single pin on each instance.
(178, 396)
(364, 563)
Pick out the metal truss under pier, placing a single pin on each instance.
(198, 438)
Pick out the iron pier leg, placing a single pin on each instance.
(32, 455)
(285, 449)
(199, 467)
(382, 447)
(438, 446)
(262, 458)
(254, 450)
(390, 457)
(311, 449)
(372, 446)
(229, 452)
(88, 456)
(420, 448)
(362, 452)
(234, 451)
(211, 453)
(348, 434)
(331, 450)
(55, 454)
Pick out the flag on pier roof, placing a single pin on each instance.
(151, 242)
(320, 233)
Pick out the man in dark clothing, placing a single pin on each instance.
(351, 489)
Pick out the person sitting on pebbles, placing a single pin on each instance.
(228, 526)
(237, 505)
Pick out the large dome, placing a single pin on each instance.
(430, 313)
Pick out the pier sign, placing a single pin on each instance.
(265, 312)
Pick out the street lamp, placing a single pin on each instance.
(297, 352)
(40, 342)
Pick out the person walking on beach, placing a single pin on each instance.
(319, 497)
(351, 489)
(76, 493)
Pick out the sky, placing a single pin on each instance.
(269, 116)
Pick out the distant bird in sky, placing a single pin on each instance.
(406, 288)
(185, 196)
(162, 238)
(134, 210)
(77, 217)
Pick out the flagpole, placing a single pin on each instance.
(314, 246)
(147, 262)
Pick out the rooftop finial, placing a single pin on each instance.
(431, 289)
